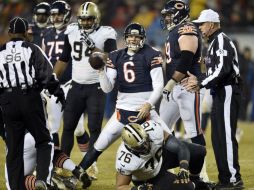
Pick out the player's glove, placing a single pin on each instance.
(59, 93)
(168, 89)
(145, 186)
(182, 176)
(88, 42)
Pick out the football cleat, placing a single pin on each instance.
(230, 186)
(93, 171)
(40, 185)
(81, 175)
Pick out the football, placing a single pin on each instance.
(96, 60)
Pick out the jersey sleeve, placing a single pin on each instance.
(188, 29)
(154, 57)
(109, 33)
(66, 54)
(112, 60)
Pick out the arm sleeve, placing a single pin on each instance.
(66, 54)
(223, 64)
(107, 79)
(176, 146)
(157, 82)
(43, 67)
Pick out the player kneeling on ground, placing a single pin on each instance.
(144, 158)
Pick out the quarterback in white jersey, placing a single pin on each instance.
(144, 158)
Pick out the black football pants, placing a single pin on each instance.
(23, 110)
(82, 98)
(224, 115)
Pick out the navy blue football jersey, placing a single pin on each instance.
(38, 34)
(53, 44)
(173, 51)
(133, 72)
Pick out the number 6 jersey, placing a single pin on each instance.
(142, 167)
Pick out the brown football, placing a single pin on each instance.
(96, 60)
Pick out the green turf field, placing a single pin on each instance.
(106, 177)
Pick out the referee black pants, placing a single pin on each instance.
(224, 116)
(82, 98)
(24, 110)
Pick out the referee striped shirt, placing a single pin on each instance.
(23, 64)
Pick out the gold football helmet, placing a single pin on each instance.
(136, 138)
(89, 17)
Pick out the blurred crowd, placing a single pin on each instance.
(236, 15)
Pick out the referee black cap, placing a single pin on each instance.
(18, 25)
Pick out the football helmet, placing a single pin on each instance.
(60, 14)
(89, 17)
(136, 138)
(41, 14)
(174, 13)
(134, 29)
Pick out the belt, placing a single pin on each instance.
(17, 89)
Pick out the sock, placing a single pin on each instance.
(90, 158)
(83, 143)
(30, 182)
(56, 140)
(69, 165)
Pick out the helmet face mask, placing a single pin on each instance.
(174, 13)
(88, 17)
(41, 14)
(136, 139)
(134, 36)
(60, 14)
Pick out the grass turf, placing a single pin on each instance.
(106, 162)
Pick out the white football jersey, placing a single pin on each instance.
(142, 167)
(82, 72)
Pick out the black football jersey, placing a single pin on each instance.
(173, 52)
(54, 43)
(133, 72)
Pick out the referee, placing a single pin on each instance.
(24, 71)
(223, 78)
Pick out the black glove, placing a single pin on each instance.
(182, 176)
(88, 41)
(52, 84)
(59, 93)
(145, 186)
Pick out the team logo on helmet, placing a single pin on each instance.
(136, 138)
(174, 13)
(90, 11)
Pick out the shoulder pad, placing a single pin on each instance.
(187, 29)
(108, 31)
(71, 27)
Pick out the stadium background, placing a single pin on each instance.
(237, 19)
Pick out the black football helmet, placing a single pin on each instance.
(60, 8)
(41, 14)
(174, 13)
(136, 30)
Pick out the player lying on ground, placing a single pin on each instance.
(144, 158)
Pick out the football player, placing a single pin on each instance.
(85, 95)
(60, 160)
(52, 44)
(183, 51)
(41, 15)
(138, 71)
(144, 158)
